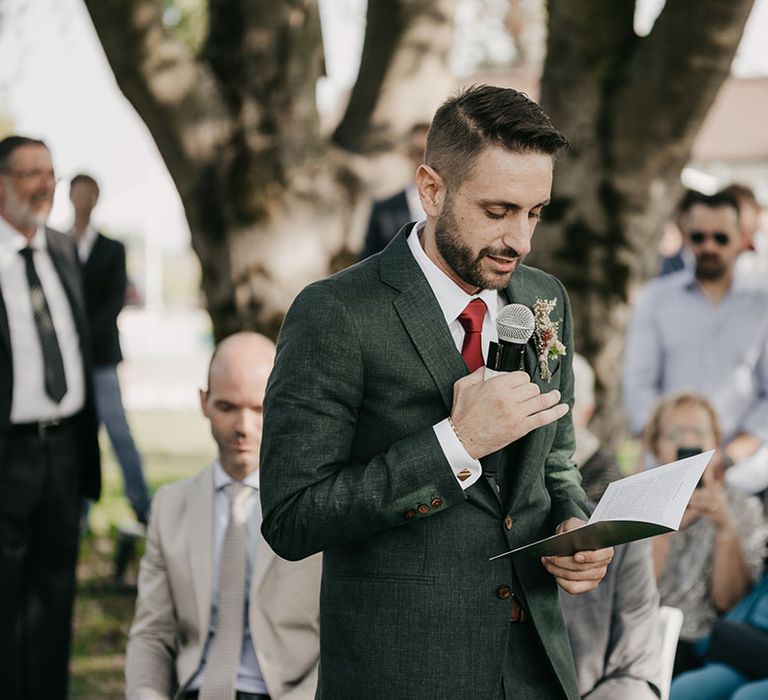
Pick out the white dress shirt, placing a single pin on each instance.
(249, 677)
(453, 300)
(30, 402)
(678, 340)
(85, 243)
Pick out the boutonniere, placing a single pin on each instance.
(545, 332)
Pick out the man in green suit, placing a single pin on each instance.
(378, 423)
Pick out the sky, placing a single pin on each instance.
(55, 83)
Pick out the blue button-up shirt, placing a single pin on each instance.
(680, 341)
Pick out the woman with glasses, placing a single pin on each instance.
(714, 559)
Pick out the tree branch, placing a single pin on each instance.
(679, 66)
(403, 72)
(257, 48)
(587, 39)
(176, 96)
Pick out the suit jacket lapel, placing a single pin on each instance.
(96, 255)
(522, 473)
(422, 317)
(66, 267)
(425, 324)
(5, 332)
(265, 557)
(520, 292)
(199, 525)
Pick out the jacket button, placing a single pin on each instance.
(437, 502)
(508, 522)
(423, 508)
(503, 592)
(410, 514)
(498, 488)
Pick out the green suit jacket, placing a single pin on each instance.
(351, 466)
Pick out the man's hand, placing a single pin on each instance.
(489, 415)
(581, 572)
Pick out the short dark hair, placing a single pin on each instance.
(13, 142)
(743, 194)
(485, 115)
(713, 201)
(86, 180)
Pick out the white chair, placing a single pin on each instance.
(670, 624)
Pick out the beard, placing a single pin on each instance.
(24, 214)
(463, 260)
(710, 267)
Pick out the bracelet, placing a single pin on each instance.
(455, 431)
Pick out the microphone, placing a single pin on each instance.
(514, 326)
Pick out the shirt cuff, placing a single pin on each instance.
(466, 469)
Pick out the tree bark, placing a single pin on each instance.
(630, 107)
(271, 203)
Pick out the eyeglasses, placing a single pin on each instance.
(32, 175)
(678, 434)
(698, 237)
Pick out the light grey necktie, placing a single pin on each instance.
(223, 661)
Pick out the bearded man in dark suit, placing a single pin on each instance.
(378, 424)
(49, 452)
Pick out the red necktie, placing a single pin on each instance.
(472, 321)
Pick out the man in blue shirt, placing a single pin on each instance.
(704, 330)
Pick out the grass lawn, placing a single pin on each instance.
(174, 445)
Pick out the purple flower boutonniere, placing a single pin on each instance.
(548, 346)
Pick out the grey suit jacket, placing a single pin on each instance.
(351, 466)
(614, 629)
(169, 630)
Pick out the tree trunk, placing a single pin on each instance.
(272, 204)
(630, 107)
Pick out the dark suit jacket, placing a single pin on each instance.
(104, 283)
(63, 253)
(388, 216)
(351, 466)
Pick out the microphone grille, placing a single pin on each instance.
(514, 324)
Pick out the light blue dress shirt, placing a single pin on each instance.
(249, 678)
(680, 341)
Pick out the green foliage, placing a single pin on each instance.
(188, 19)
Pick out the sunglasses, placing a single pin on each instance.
(698, 237)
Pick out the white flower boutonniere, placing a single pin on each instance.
(545, 332)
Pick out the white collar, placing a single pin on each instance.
(221, 478)
(451, 298)
(12, 242)
(85, 244)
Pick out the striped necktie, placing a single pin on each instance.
(53, 365)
